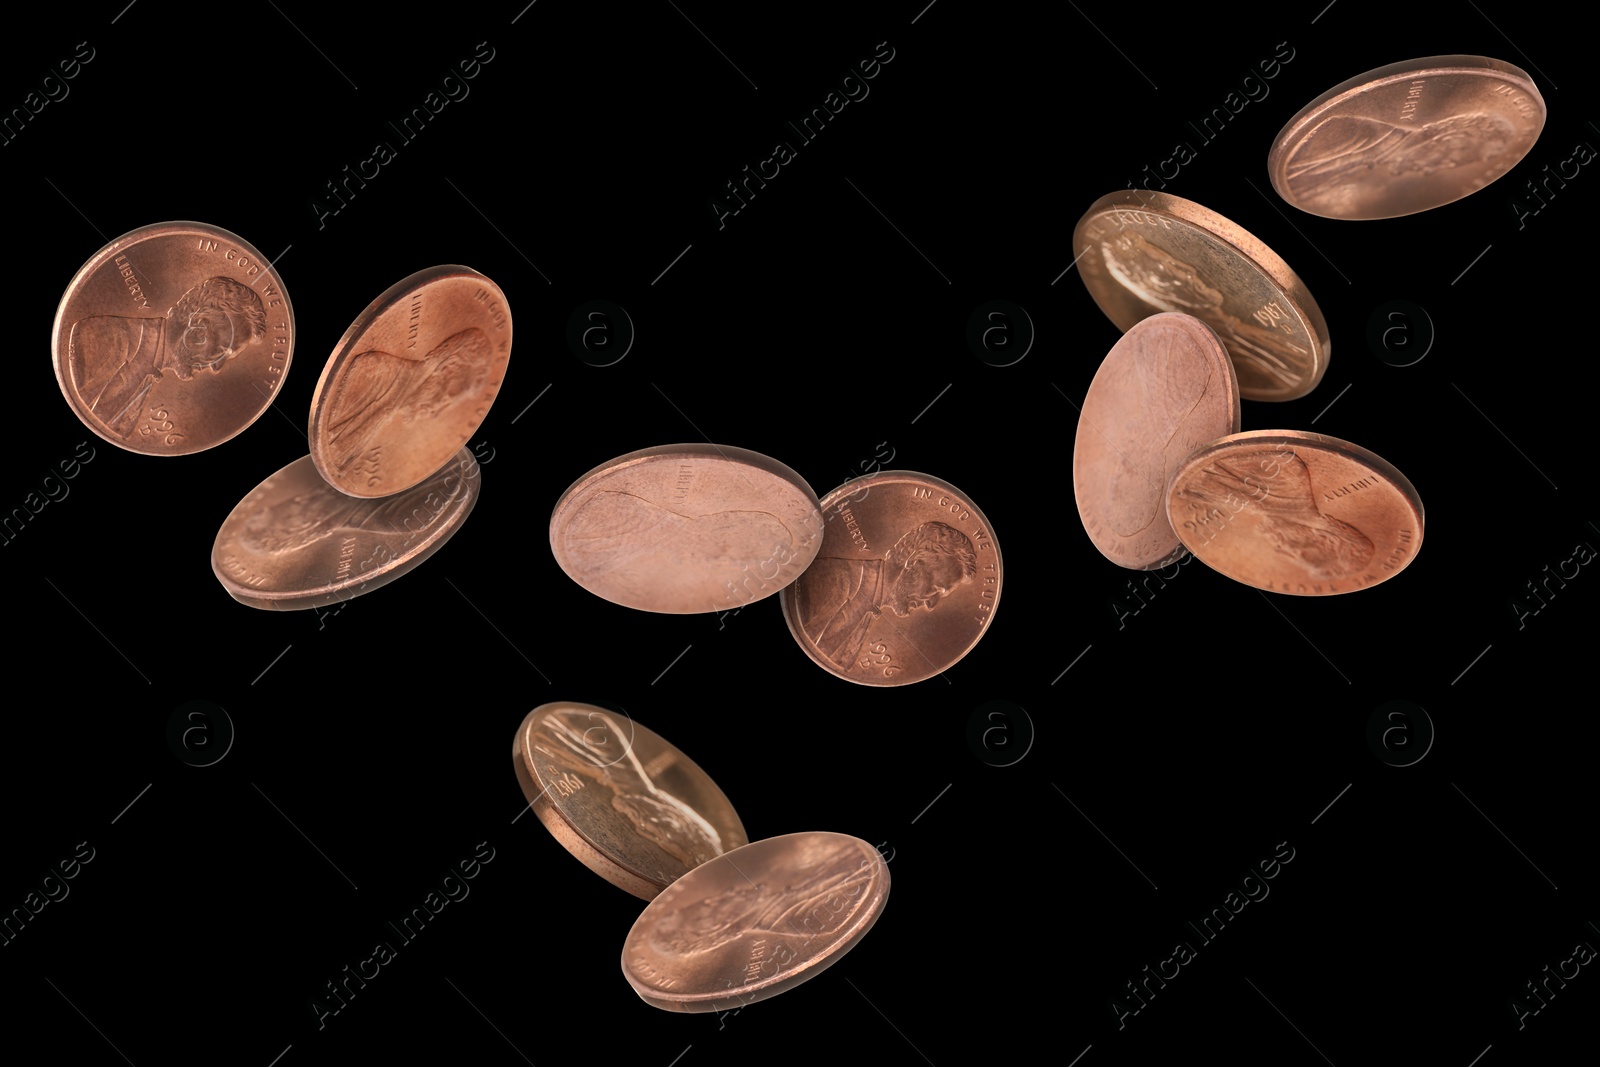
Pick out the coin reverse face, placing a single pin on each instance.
(906, 582)
(1166, 388)
(173, 338)
(1407, 137)
(1295, 512)
(686, 528)
(410, 381)
(630, 806)
(753, 923)
(1142, 253)
(296, 542)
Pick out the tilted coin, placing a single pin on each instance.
(686, 528)
(630, 806)
(296, 542)
(1166, 388)
(1141, 253)
(173, 338)
(1294, 512)
(410, 381)
(1407, 137)
(760, 920)
(906, 582)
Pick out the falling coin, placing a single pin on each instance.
(630, 806)
(173, 338)
(410, 381)
(686, 528)
(296, 542)
(1141, 253)
(1166, 388)
(1295, 512)
(906, 582)
(753, 923)
(1407, 137)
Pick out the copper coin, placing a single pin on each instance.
(1166, 388)
(1295, 512)
(758, 921)
(173, 338)
(906, 583)
(1141, 253)
(630, 806)
(686, 528)
(296, 542)
(1406, 137)
(410, 381)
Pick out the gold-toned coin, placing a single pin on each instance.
(1166, 388)
(686, 528)
(630, 806)
(1297, 513)
(1141, 253)
(410, 381)
(753, 923)
(173, 338)
(1407, 137)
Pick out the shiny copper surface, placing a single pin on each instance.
(173, 338)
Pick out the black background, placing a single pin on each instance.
(825, 324)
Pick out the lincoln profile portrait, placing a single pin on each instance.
(1347, 148)
(115, 361)
(837, 599)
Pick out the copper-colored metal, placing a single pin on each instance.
(1296, 512)
(1166, 388)
(753, 923)
(1141, 253)
(1407, 137)
(630, 806)
(906, 582)
(410, 381)
(295, 542)
(686, 528)
(173, 338)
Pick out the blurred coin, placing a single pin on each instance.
(686, 528)
(410, 381)
(1407, 137)
(762, 919)
(1141, 253)
(296, 542)
(630, 806)
(1294, 512)
(1166, 388)
(906, 582)
(173, 338)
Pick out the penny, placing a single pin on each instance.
(1406, 137)
(630, 806)
(686, 528)
(1141, 253)
(906, 582)
(173, 338)
(410, 381)
(1294, 512)
(753, 923)
(1166, 388)
(296, 542)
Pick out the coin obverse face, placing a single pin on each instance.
(173, 338)
(686, 528)
(1407, 137)
(1142, 253)
(410, 381)
(1296, 513)
(755, 922)
(626, 803)
(906, 583)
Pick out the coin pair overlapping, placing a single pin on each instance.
(729, 922)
